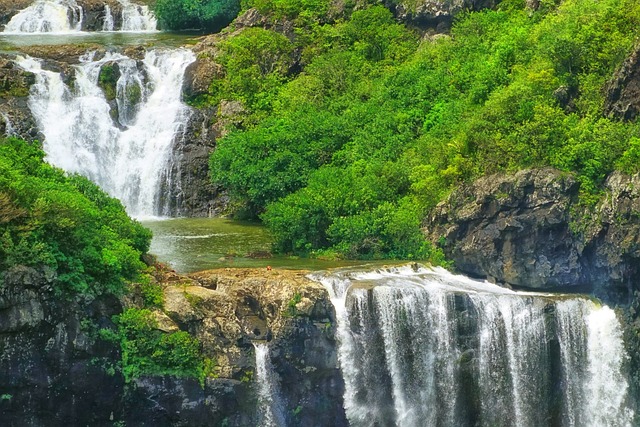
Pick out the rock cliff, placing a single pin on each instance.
(51, 358)
(528, 230)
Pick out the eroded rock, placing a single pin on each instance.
(528, 230)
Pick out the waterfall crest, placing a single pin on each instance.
(422, 347)
(270, 411)
(130, 155)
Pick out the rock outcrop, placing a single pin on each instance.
(528, 230)
(623, 91)
(436, 14)
(51, 357)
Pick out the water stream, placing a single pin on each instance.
(270, 409)
(128, 157)
(66, 16)
(421, 347)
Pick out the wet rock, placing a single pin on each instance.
(528, 230)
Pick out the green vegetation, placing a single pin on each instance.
(195, 14)
(148, 351)
(354, 129)
(65, 223)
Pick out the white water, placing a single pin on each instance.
(109, 22)
(421, 347)
(130, 159)
(47, 16)
(66, 16)
(270, 411)
(9, 130)
(137, 18)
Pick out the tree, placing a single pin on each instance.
(210, 15)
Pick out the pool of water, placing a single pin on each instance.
(193, 244)
(14, 42)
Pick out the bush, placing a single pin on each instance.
(149, 351)
(210, 15)
(66, 223)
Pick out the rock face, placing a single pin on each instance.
(623, 91)
(527, 230)
(49, 362)
(436, 14)
(54, 370)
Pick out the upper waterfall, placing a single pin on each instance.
(422, 347)
(137, 17)
(66, 16)
(47, 16)
(128, 155)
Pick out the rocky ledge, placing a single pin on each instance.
(51, 360)
(529, 230)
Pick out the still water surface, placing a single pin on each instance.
(193, 244)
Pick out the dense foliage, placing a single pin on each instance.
(66, 223)
(148, 351)
(195, 14)
(347, 145)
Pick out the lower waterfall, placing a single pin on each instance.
(423, 347)
(270, 411)
(128, 154)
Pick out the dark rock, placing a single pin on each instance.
(435, 14)
(622, 98)
(528, 230)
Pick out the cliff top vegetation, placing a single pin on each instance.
(355, 125)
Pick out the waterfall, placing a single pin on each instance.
(108, 24)
(9, 130)
(47, 16)
(127, 154)
(270, 411)
(137, 18)
(423, 347)
(65, 16)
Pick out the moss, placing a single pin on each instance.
(108, 80)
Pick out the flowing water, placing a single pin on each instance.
(128, 157)
(47, 16)
(66, 16)
(422, 347)
(137, 17)
(270, 408)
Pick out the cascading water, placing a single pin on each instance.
(66, 16)
(421, 347)
(270, 411)
(136, 17)
(129, 157)
(47, 16)
(109, 22)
